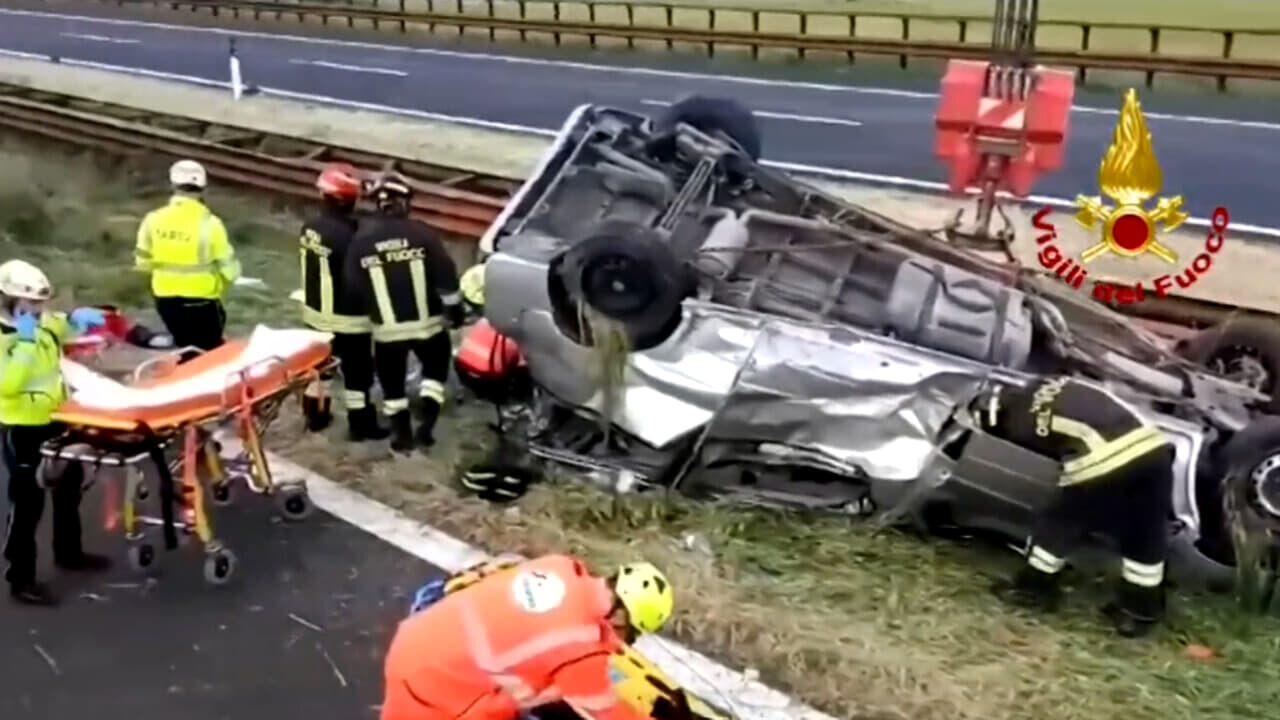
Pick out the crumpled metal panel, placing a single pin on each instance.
(858, 399)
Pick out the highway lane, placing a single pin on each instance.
(886, 133)
(300, 631)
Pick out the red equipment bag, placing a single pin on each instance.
(965, 118)
(490, 364)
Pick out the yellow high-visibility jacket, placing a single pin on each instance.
(31, 386)
(185, 248)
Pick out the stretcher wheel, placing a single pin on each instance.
(142, 556)
(219, 566)
(223, 494)
(294, 504)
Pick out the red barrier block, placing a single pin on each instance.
(966, 119)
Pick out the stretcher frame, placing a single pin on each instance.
(129, 449)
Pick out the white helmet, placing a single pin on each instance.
(21, 279)
(188, 173)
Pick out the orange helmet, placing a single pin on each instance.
(340, 181)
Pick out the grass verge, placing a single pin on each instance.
(863, 626)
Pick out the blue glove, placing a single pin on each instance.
(427, 595)
(84, 318)
(26, 324)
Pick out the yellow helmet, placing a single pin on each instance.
(646, 594)
(472, 284)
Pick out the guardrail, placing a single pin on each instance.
(459, 203)
(801, 31)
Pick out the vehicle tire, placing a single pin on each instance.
(713, 115)
(1243, 349)
(1249, 492)
(626, 272)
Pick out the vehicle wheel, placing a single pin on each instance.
(713, 115)
(142, 556)
(625, 272)
(1251, 501)
(223, 494)
(294, 504)
(219, 566)
(1246, 350)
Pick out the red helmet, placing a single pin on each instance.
(340, 181)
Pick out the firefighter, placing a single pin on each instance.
(328, 307)
(511, 636)
(184, 247)
(408, 285)
(1116, 478)
(31, 388)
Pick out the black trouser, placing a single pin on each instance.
(1131, 505)
(391, 361)
(26, 502)
(355, 355)
(193, 322)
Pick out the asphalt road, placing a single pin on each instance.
(300, 632)
(1228, 159)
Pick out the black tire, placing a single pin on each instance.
(713, 116)
(626, 272)
(1244, 348)
(1250, 493)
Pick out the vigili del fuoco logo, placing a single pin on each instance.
(1130, 176)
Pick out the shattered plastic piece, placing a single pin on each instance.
(695, 542)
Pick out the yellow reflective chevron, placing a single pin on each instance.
(1104, 456)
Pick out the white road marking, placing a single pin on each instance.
(700, 675)
(817, 119)
(929, 186)
(101, 38)
(613, 69)
(350, 68)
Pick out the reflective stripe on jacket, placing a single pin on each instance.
(517, 638)
(31, 386)
(322, 248)
(1087, 428)
(185, 248)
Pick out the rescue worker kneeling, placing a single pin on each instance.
(328, 306)
(1116, 479)
(408, 286)
(31, 388)
(185, 249)
(520, 636)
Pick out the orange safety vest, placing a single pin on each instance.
(523, 637)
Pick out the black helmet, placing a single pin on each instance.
(391, 190)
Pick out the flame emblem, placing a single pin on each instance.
(1130, 175)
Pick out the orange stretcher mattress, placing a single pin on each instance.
(266, 362)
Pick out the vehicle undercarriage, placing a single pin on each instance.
(785, 347)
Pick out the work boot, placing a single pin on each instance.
(401, 432)
(33, 593)
(1030, 589)
(426, 430)
(83, 562)
(1136, 610)
(318, 411)
(362, 425)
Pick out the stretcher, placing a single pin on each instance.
(172, 419)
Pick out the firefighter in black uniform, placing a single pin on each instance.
(408, 285)
(1117, 476)
(329, 307)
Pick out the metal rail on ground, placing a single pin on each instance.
(459, 202)
(757, 28)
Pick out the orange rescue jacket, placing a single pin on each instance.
(530, 635)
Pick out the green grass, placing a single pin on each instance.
(862, 625)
